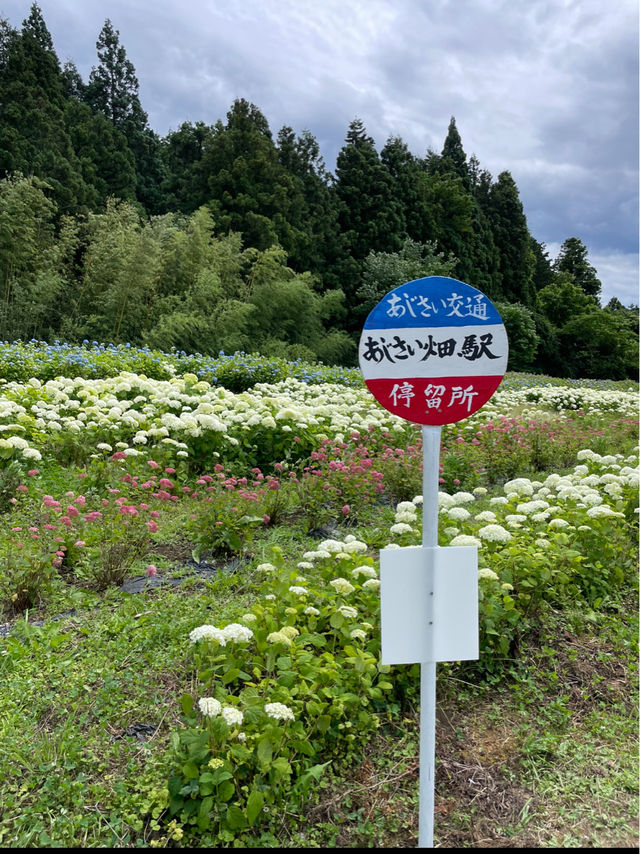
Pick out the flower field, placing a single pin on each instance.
(250, 516)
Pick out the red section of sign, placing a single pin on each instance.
(425, 400)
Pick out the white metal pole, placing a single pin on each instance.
(430, 476)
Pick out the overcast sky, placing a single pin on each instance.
(547, 89)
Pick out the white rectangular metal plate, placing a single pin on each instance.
(429, 604)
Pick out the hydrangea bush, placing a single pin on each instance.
(542, 543)
(295, 680)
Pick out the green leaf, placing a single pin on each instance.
(230, 675)
(175, 805)
(235, 818)
(205, 807)
(281, 768)
(304, 747)
(265, 751)
(190, 770)
(255, 802)
(174, 785)
(336, 620)
(226, 791)
(186, 702)
(323, 723)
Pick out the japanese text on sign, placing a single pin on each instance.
(419, 305)
(471, 347)
(403, 393)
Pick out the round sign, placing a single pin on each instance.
(433, 351)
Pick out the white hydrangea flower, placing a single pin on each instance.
(279, 712)
(341, 585)
(266, 567)
(465, 540)
(311, 611)
(603, 510)
(32, 454)
(485, 516)
(613, 489)
(237, 632)
(460, 514)
(331, 546)
(532, 506)
(232, 716)
(494, 534)
(208, 632)
(372, 583)
(209, 706)
(460, 498)
(520, 485)
(358, 634)
(406, 507)
(297, 590)
(487, 573)
(540, 517)
(558, 523)
(367, 571)
(401, 528)
(279, 637)
(348, 612)
(353, 547)
(405, 517)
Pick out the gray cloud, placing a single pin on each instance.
(547, 89)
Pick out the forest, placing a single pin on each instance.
(227, 238)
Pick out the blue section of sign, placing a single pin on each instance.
(433, 301)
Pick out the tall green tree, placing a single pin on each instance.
(453, 157)
(113, 90)
(33, 133)
(370, 214)
(183, 150)
(409, 178)
(320, 244)
(512, 239)
(573, 259)
(249, 191)
(542, 270)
